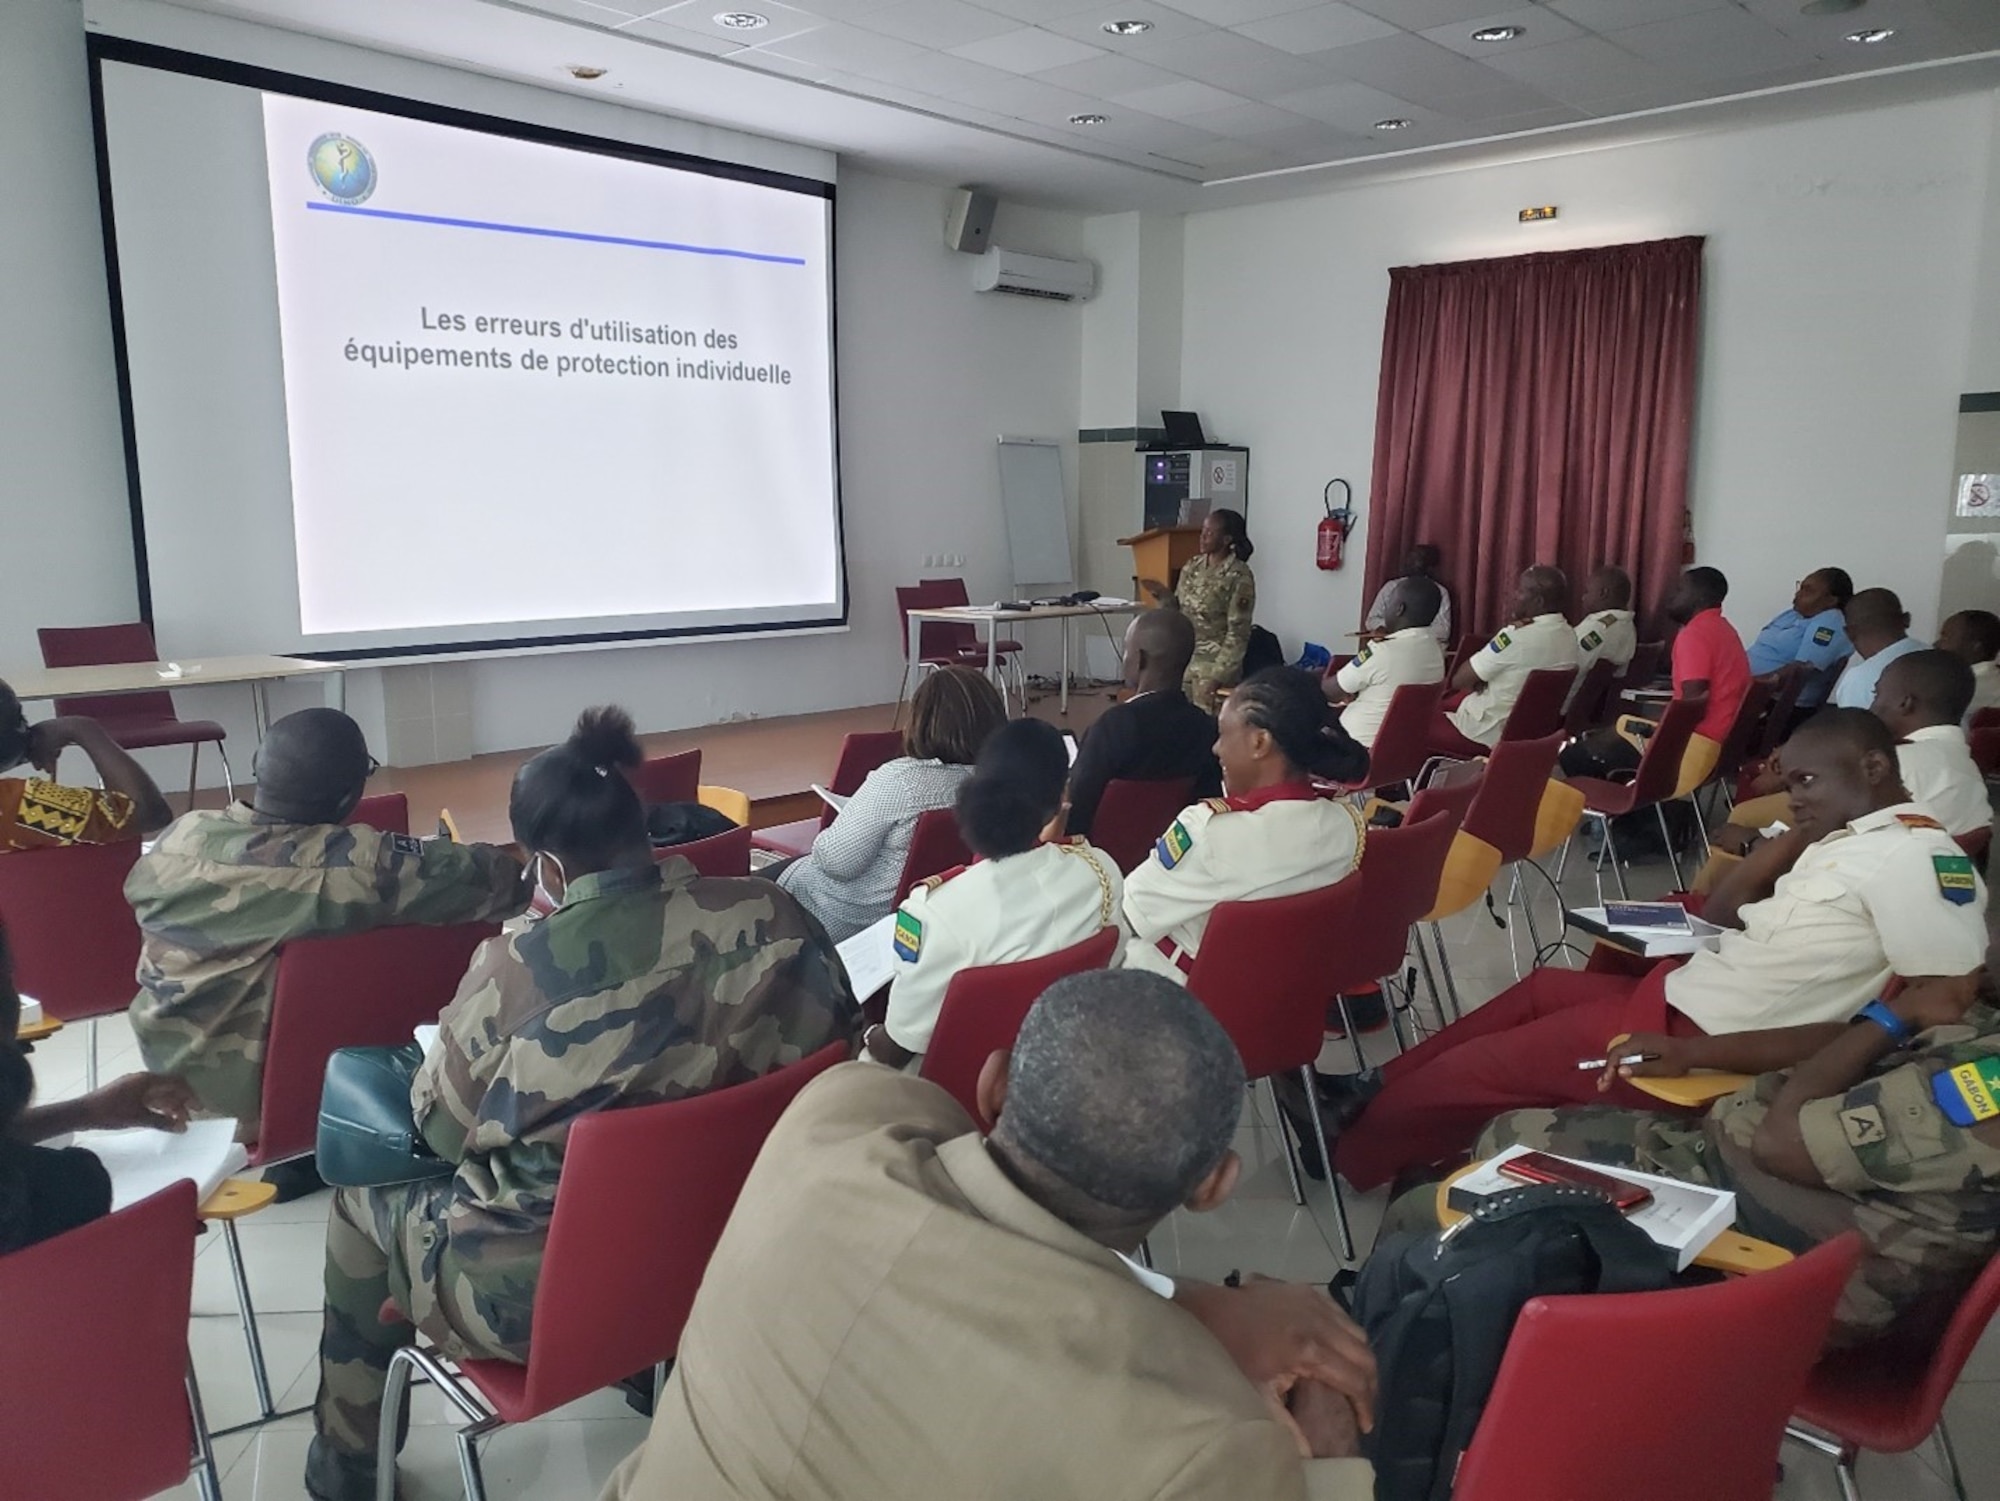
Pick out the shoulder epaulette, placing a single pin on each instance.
(1919, 821)
(1216, 804)
(931, 883)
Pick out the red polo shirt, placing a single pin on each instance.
(1708, 649)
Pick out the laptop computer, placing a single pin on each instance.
(1183, 429)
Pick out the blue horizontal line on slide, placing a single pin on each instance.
(551, 234)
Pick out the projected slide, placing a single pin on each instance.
(525, 383)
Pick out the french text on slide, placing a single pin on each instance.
(398, 355)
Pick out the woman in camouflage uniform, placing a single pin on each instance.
(1218, 593)
(647, 983)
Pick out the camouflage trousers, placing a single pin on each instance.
(384, 1243)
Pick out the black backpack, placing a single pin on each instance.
(1439, 1308)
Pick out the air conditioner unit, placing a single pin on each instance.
(1033, 276)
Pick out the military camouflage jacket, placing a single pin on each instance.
(646, 985)
(221, 892)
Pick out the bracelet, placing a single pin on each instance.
(1898, 1030)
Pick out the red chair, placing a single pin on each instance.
(667, 779)
(1265, 970)
(1538, 712)
(387, 811)
(860, 753)
(1890, 1396)
(1402, 741)
(1505, 814)
(1468, 644)
(1985, 719)
(949, 592)
(1686, 1390)
(1399, 881)
(619, 1276)
(1744, 731)
(1645, 664)
(724, 854)
(75, 941)
(1786, 685)
(98, 1400)
(935, 847)
(1652, 785)
(940, 643)
(1590, 705)
(1132, 815)
(1986, 751)
(983, 1009)
(137, 721)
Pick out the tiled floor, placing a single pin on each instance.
(568, 1455)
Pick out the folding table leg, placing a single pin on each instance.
(207, 1477)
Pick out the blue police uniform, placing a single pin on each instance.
(1817, 640)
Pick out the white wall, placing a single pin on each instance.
(1840, 285)
(929, 375)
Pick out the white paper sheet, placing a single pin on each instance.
(870, 957)
(142, 1161)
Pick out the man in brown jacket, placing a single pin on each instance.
(903, 1310)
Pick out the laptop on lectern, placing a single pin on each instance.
(1183, 429)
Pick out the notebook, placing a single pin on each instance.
(1680, 1217)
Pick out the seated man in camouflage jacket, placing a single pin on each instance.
(647, 983)
(224, 890)
(1891, 1128)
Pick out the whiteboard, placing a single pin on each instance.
(1031, 495)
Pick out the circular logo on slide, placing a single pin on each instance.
(342, 167)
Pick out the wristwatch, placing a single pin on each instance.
(1898, 1029)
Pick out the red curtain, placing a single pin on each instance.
(1537, 409)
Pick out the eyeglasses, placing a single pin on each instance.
(373, 766)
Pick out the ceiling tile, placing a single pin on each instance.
(1424, 73)
(1317, 29)
(1616, 15)
(1088, 25)
(1976, 21)
(847, 48)
(1034, 12)
(1179, 99)
(1232, 62)
(1714, 44)
(1917, 25)
(1026, 50)
(1107, 76)
(1235, 156)
(1026, 99)
(1539, 25)
(1236, 12)
(935, 23)
(1248, 121)
(1420, 15)
(699, 16)
(1584, 72)
(784, 67)
(842, 10)
(594, 15)
(1150, 133)
(706, 43)
(1351, 106)
(936, 73)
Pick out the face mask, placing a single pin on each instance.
(542, 893)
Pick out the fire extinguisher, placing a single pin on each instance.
(1338, 523)
(1687, 538)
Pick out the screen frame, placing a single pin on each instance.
(101, 48)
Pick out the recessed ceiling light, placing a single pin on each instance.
(1086, 119)
(585, 72)
(1830, 7)
(1392, 124)
(741, 20)
(1498, 33)
(1872, 34)
(1125, 28)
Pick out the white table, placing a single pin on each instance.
(993, 619)
(193, 672)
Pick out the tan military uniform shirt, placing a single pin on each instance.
(888, 1317)
(1378, 670)
(1938, 772)
(1222, 851)
(1890, 894)
(994, 912)
(1503, 665)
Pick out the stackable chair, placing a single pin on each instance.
(984, 1006)
(98, 1400)
(1744, 732)
(619, 1276)
(1985, 719)
(1506, 814)
(1684, 1392)
(1402, 741)
(860, 753)
(1466, 875)
(940, 643)
(1986, 751)
(1654, 782)
(667, 779)
(1265, 970)
(1890, 1397)
(74, 938)
(359, 990)
(724, 854)
(935, 847)
(1644, 666)
(1399, 881)
(1538, 712)
(137, 721)
(387, 811)
(1468, 643)
(948, 593)
(1590, 705)
(1133, 814)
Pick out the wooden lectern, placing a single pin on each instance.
(1160, 554)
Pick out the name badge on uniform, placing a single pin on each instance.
(1823, 636)
(1969, 1093)
(909, 940)
(1955, 879)
(1500, 643)
(1172, 846)
(406, 844)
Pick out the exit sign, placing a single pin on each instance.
(1536, 215)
